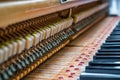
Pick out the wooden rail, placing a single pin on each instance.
(14, 12)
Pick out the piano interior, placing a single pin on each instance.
(58, 40)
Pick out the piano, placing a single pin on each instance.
(58, 40)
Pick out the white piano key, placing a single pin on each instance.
(54, 30)
(29, 41)
(10, 46)
(48, 32)
(70, 22)
(58, 25)
(64, 24)
(6, 53)
(19, 49)
(58, 29)
(41, 35)
(15, 45)
(1, 55)
(51, 27)
(45, 33)
(36, 38)
(21, 45)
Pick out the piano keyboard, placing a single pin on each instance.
(106, 62)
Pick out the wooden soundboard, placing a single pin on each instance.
(68, 63)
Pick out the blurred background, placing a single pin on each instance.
(114, 7)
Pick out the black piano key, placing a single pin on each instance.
(104, 67)
(114, 37)
(117, 28)
(113, 40)
(111, 43)
(98, 76)
(103, 63)
(108, 50)
(107, 60)
(110, 70)
(106, 57)
(100, 53)
(116, 32)
(110, 46)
